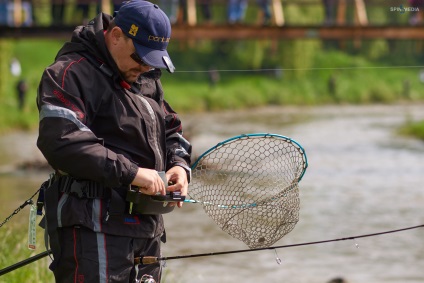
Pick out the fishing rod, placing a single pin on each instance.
(152, 259)
(24, 262)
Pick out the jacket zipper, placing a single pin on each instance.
(154, 122)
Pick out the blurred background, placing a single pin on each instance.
(344, 78)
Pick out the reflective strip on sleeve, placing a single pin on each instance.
(60, 112)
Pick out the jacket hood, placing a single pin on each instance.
(90, 38)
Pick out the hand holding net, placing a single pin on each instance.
(249, 186)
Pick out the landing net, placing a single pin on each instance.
(249, 186)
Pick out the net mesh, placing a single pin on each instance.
(249, 187)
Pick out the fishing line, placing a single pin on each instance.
(151, 259)
(16, 211)
(302, 69)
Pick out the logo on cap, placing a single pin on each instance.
(133, 30)
(158, 38)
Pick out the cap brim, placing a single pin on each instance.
(154, 57)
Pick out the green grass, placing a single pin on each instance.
(413, 129)
(352, 86)
(34, 56)
(13, 242)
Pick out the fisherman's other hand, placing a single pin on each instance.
(177, 181)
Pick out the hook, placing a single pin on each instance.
(356, 244)
(277, 259)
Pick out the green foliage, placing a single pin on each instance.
(298, 56)
(72, 15)
(42, 12)
(304, 14)
(414, 129)
(5, 60)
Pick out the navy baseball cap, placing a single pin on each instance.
(149, 28)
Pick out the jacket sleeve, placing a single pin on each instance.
(178, 148)
(64, 138)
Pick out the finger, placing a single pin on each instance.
(175, 187)
(144, 191)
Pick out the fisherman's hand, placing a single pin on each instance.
(149, 182)
(177, 181)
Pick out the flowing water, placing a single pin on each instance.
(362, 178)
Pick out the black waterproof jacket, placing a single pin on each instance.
(95, 126)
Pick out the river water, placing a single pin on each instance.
(362, 178)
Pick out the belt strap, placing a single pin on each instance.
(84, 188)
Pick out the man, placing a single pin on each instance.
(107, 131)
(236, 11)
(264, 12)
(330, 7)
(21, 88)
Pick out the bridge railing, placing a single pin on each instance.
(18, 13)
